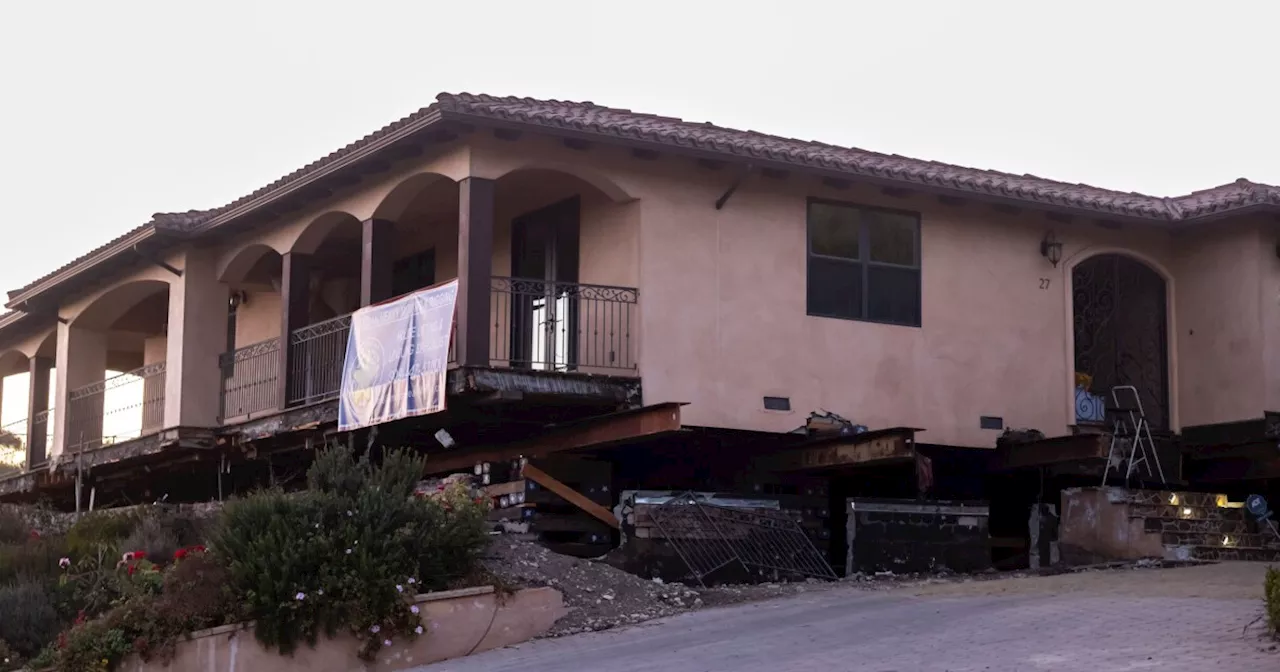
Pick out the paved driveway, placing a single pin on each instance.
(1167, 620)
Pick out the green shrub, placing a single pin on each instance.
(28, 620)
(34, 559)
(13, 528)
(97, 530)
(349, 553)
(91, 646)
(1271, 599)
(196, 594)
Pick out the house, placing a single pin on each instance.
(630, 280)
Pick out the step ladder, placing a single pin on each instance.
(1130, 433)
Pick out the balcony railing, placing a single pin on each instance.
(561, 326)
(538, 325)
(119, 408)
(249, 379)
(316, 357)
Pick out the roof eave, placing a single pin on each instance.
(761, 161)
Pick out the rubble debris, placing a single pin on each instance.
(599, 596)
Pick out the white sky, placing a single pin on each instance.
(113, 111)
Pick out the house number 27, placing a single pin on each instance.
(1044, 283)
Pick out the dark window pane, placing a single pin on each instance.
(835, 288)
(892, 237)
(893, 295)
(413, 272)
(833, 230)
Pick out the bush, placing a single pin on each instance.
(196, 595)
(33, 560)
(1271, 599)
(28, 620)
(98, 530)
(350, 552)
(13, 528)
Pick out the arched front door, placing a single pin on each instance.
(1121, 330)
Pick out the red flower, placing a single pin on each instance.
(180, 554)
(80, 617)
(35, 534)
(138, 555)
(199, 549)
(131, 569)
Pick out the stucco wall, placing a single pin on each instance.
(733, 328)
(1223, 373)
(258, 318)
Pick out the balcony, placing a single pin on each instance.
(560, 326)
(316, 357)
(250, 379)
(122, 407)
(536, 325)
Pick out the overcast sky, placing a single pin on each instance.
(115, 110)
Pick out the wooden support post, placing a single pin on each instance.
(475, 269)
(570, 495)
(295, 301)
(377, 255)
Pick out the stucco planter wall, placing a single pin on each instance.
(458, 622)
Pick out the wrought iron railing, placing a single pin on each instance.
(119, 408)
(250, 377)
(316, 354)
(562, 326)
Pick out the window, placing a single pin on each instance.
(413, 272)
(864, 263)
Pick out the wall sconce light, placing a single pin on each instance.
(238, 299)
(1051, 249)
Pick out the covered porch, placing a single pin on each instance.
(546, 264)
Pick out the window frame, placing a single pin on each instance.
(864, 262)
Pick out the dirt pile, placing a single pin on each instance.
(599, 596)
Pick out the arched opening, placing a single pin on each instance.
(568, 247)
(115, 377)
(333, 242)
(423, 212)
(14, 378)
(1120, 327)
(26, 401)
(249, 366)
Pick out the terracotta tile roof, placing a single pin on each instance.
(624, 124)
(587, 119)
